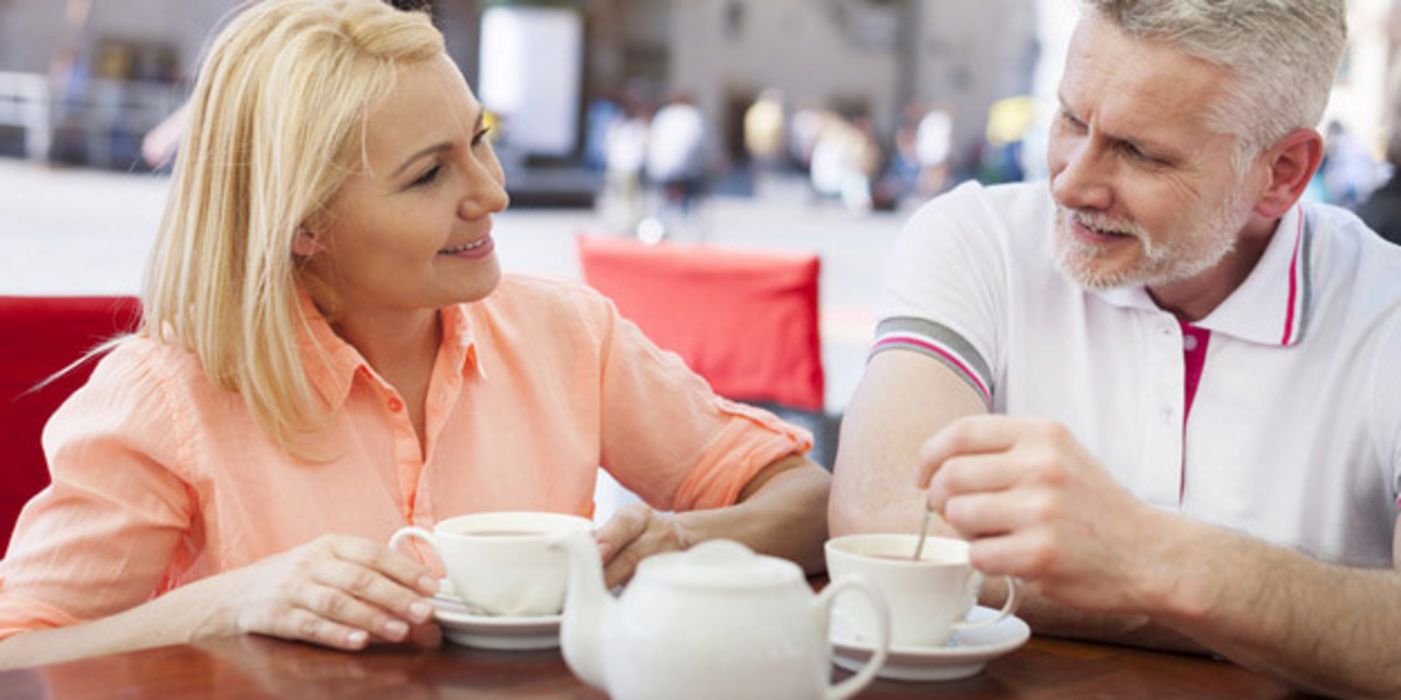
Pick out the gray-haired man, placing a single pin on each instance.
(1160, 390)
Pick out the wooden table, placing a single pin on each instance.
(256, 667)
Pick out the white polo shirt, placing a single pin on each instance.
(1294, 433)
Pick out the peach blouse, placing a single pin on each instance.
(161, 478)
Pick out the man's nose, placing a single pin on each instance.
(1084, 182)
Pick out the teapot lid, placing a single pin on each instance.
(720, 564)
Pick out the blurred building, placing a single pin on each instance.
(856, 57)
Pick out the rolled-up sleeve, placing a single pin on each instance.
(668, 437)
(101, 538)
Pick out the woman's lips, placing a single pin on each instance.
(479, 248)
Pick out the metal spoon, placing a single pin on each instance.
(923, 532)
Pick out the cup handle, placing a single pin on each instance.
(408, 532)
(1008, 608)
(851, 686)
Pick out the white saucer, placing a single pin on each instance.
(965, 655)
(462, 626)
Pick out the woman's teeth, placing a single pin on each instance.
(465, 247)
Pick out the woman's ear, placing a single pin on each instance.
(306, 243)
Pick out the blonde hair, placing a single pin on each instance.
(276, 122)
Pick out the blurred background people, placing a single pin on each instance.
(1349, 172)
(933, 146)
(677, 157)
(626, 146)
(764, 129)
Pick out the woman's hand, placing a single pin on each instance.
(338, 591)
(634, 533)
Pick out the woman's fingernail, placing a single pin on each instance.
(357, 638)
(420, 611)
(428, 583)
(395, 630)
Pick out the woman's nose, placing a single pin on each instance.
(486, 191)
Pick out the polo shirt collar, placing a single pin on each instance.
(332, 364)
(1271, 307)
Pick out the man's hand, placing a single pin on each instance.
(634, 533)
(1037, 506)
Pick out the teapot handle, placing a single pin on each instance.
(851, 686)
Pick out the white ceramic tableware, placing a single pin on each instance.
(965, 655)
(928, 597)
(502, 563)
(715, 621)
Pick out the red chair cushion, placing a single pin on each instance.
(38, 337)
(746, 321)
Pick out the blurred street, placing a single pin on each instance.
(79, 231)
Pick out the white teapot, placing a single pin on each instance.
(716, 621)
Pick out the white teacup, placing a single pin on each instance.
(502, 563)
(928, 598)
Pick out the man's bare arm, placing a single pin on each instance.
(903, 399)
(1036, 504)
(1324, 628)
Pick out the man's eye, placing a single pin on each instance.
(1136, 154)
(427, 177)
(481, 136)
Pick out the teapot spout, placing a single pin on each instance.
(588, 609)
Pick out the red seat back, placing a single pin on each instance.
(746, 321)
(38, 337)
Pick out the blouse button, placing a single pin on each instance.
(395, 404)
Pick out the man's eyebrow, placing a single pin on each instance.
(1146, 145)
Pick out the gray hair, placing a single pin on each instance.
(1283, 55)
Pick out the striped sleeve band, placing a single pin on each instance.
(939, 342)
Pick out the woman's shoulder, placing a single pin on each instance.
(142, 365)
(528, 298)
(142, 389)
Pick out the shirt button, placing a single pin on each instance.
(1189, 342)
(395, 405)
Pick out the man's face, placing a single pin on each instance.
(1144, 188)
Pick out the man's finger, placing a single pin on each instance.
(988, 514)
(967, 436)
(976, 473)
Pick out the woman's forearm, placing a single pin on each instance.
(182, 615)
(782, 512)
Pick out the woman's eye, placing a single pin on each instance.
(427, 177)
(481, 136)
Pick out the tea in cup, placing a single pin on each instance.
(928, 597)
(502, 563)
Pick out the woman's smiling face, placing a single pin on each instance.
(412, 228)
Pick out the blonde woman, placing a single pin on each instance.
(330, 352)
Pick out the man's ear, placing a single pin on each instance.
(1291, 163)
(306, 243)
